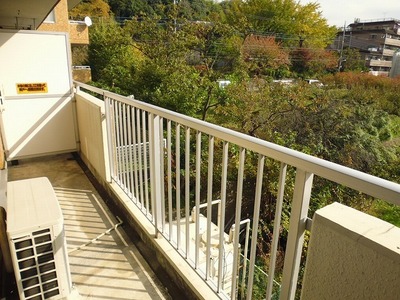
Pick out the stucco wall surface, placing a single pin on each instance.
(351, 256)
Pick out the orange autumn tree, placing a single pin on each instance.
(313, 62)
(264, 56)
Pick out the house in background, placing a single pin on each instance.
(376, 40)
(58, 20)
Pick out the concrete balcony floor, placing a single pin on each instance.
(109, 268)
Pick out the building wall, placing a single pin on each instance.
(376, 41)
(78, 31)
(351, 255)
(61, 19)
(367, 40)
(82, 74)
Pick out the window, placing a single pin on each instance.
(51, 17)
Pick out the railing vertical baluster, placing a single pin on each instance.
(124, 153)
(115, 140)
(110, 121)
(178, 186)
(169, 178)
(155, 171)
(197, 199)
(119, 144)
(239, 195)
(245, 251)
(221, 217)
(145, 170)
(277, 224)
(139, 147)
(162, 165)
(297, 227)
(135, 162)
(256, 217)
(178, 216)
(130, 171)
(187, 189)
(209, 201)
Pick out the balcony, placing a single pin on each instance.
(379, 73)
(134, 151)
(104, 262)
(82, 73)
(379, 63)
(188, 193)
(392, 42)
(148, 146)
(388, 52)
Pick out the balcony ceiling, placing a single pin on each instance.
(27, 14)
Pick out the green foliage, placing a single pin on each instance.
(352, 120)
(326, 123)
(204, 10)
(352, 61)
(219, 48)
(386, 211)
(199, 10)
(79, 55)
(382, 92)
(293, 23)
(182, 66)
(94, 8)
(111, 56)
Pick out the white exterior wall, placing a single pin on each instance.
(351, 256)
(36, 123)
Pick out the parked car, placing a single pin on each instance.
(315, 82)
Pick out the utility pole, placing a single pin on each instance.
(341, 47)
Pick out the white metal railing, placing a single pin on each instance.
(170, 181)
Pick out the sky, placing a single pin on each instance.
(341, 12)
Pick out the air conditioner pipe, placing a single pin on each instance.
(98, 237)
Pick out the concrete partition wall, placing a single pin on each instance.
(351, 255)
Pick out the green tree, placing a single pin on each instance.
(112, 57)
(93, 8)
(258, 108)
(352, 61)
(182, 66)
(377, 90)
(327, 123)
(310, 27)
(121, 8)
(294, 24)
(197, 10)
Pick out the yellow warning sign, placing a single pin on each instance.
(32, 88)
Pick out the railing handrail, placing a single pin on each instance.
(81, 67)
(366, 183)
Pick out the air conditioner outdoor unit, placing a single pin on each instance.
(36, 236)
